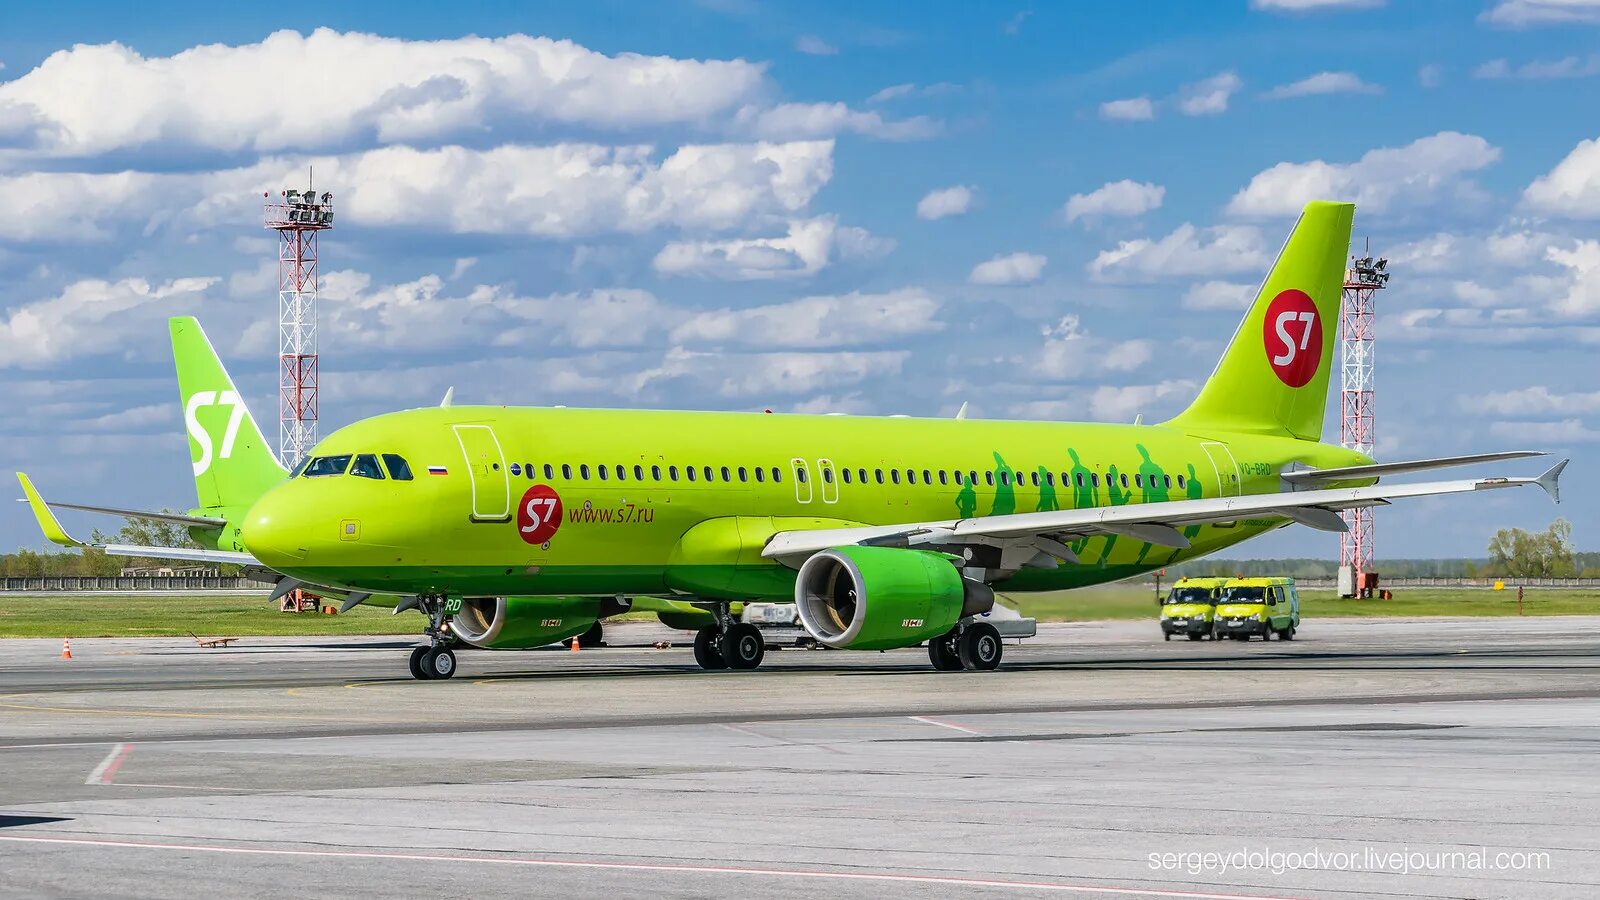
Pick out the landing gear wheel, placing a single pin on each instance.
(440, 662)
(417, 671)
(942, 653)
(594, 637)
(706, 651)
(979, 647)
(742, 646)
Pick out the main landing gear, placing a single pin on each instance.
(975, 647)
(729, 644)
(436, 660)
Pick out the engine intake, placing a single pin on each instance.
(522, 623)
(880, 598)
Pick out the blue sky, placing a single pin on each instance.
(1051, 211)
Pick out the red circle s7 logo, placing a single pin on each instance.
(539, 514)
(1292, 335)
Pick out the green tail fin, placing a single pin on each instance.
(1273, 378)
(233, 463)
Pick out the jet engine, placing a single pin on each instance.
(880, 598)
(522, 623)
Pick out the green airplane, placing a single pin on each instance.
(510, 526)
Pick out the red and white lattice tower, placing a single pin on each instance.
(1362, 281)
(298, 217)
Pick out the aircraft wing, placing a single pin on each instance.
(1027, 536)
(57, 535)
(1379, 470)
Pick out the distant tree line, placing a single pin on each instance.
(140, 532)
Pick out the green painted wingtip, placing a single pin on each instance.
(47, 520)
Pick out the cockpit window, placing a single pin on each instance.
(399, 469)
(366, 466)
(300, 466)
(327, 465)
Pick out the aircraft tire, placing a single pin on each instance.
(942, 653)
(979, 647)
(742, 646)
(439, 663)
(417, 671)
(706, 651)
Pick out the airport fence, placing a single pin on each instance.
(1441, 581)
(87, 583)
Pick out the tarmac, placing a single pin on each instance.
(1367, 758)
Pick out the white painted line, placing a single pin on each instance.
(1051, 886)
(108, 767)
(951, 725)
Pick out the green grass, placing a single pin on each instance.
(167, 615)
(1138, 602)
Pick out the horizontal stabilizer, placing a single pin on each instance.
(1379, 470)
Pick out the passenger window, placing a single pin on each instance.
(672, 473)
(988, 477)
(599, 470)
(328, 465)
(638, 474)
(743, 475)
(800, 475)
(725, 474)
(894, 475)
(777, 476)
(622, 473)
(1124, 479)
(566, 471)
(583, 471)
(1138, 481)
(761, 474)
(549, 472)
(689, 472)
(707, 473)
(861, 475)
(655, 473)
(827, 474)
(1180, 482)
(845, 474)
(529, 468)
(366, 466)
(1166, 481)
(878, 475)
(1095, 479)
(1078, 479)
(911, 476)
(516, 468)
(399, 469)
(927, 477)
(944, 476)
(972, 477)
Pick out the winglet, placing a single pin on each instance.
(47, 520)
(1549, 480)
(962, 412)
(449, 396)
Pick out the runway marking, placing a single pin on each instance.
(955, 880)
(162, 714)
(928, 720)
(108, 767)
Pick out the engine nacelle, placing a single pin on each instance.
(881, 598)
(522, 623)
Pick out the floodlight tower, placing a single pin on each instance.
(1362, 281)
(298, 217)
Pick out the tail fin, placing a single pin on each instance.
(1273, 378)
(233, 464)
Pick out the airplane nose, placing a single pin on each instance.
(271, 533)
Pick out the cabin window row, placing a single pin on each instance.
(619, 472)
(759, 475)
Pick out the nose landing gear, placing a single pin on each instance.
(437, 660)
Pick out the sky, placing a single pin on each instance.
(1048, 211)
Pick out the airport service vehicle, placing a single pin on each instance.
(884, 532)
(1187, 609)
(1258, 606)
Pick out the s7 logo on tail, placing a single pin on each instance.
(1293, 337)
(201, 436)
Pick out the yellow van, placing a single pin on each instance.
(1188, 607)
(1258, 606)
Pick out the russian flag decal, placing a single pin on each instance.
(438, 470)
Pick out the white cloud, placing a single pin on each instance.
(1296, 6)
(73, 205)
(1323, 83)
(331, 89)
(1187, 251)
(1069, 352)
(796, 121)
(892, 92)
(1572, 188)
(93, 317)
(1559, 433)
(756, 375)
(809, 245)
(1532, 401)
(1116, 198)
(1014, 268)
(1122, 404)
(1526, 13)
(1210, 96)
(897, 91)
(816, 322)
(1380, 181)
(1430, 75)
(1582, 262)
(815, 46)
(1541, 70)
(950, 201)
(1226, 295)
(1133, 109)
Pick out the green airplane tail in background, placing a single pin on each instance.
(233, 463)
(1273, 378)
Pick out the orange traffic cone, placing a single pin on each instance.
(575, 645)
(66, 648)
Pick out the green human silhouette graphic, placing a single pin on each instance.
(1118, 496)
(1082, 482)
(1153, 485)
(966, 498)
(1195, 491)
(1047, 492)
(1005, 494)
